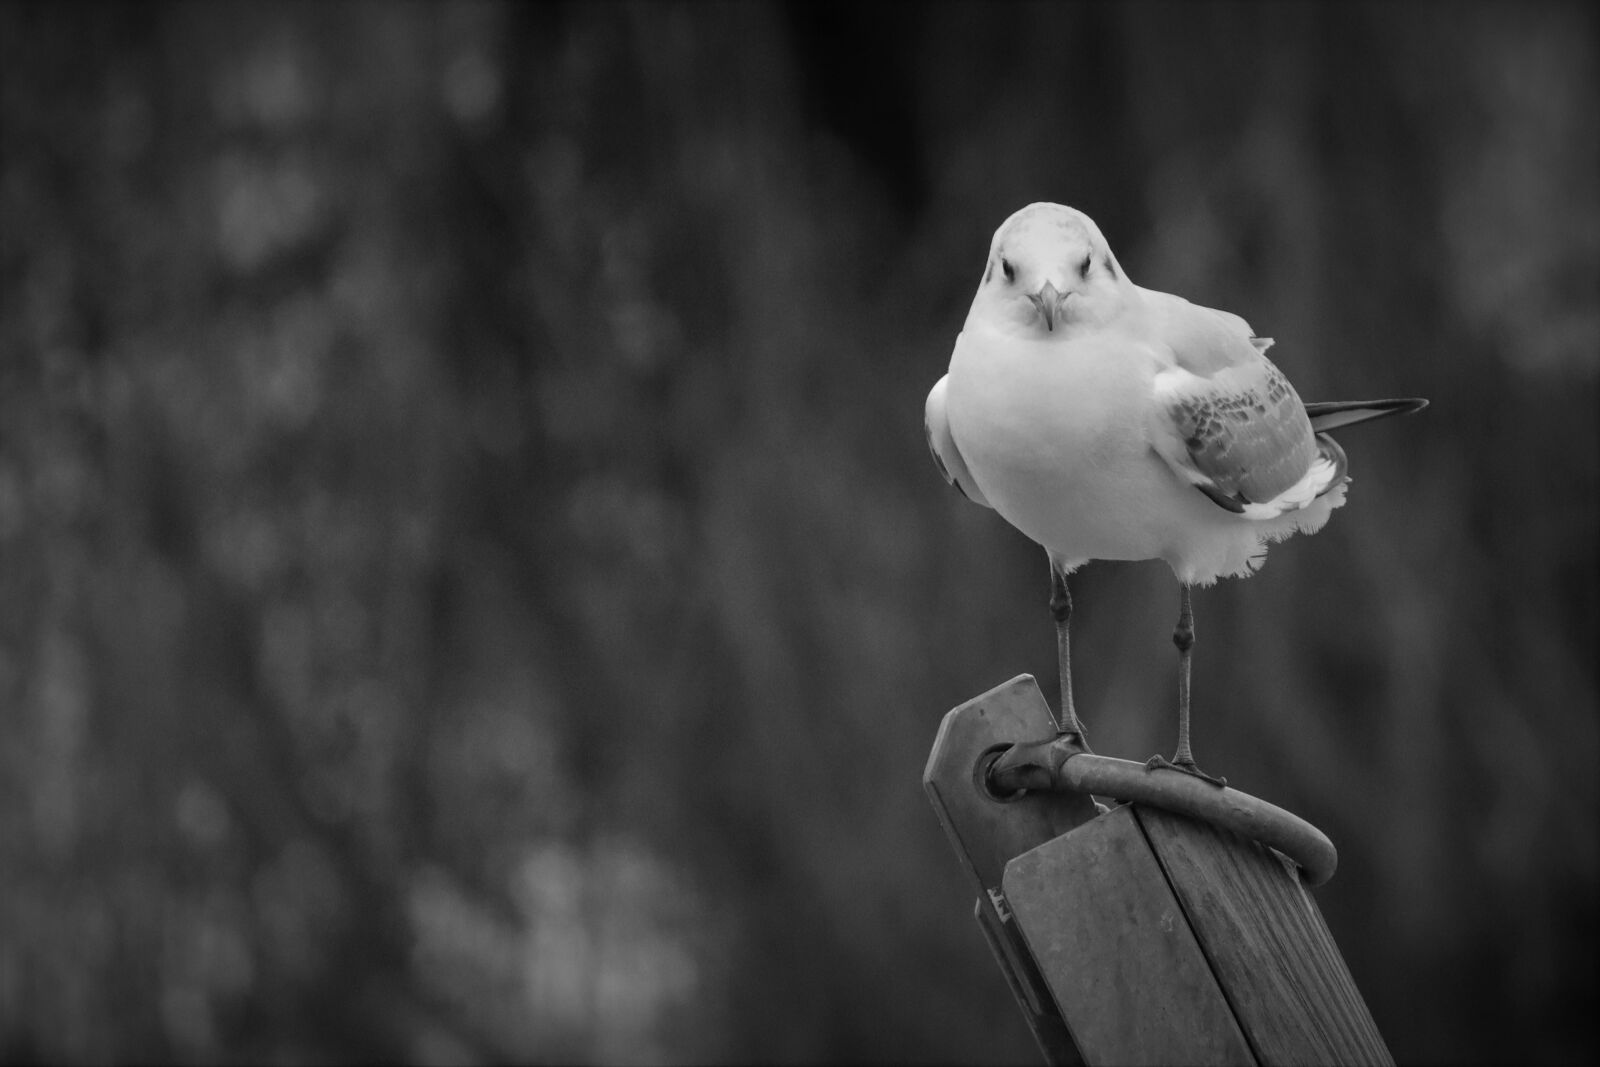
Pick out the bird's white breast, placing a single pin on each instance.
(1055, 431)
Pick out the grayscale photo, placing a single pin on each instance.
(688, 532)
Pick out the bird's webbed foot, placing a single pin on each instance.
(1188, 767)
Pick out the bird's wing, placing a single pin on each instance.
(943, 446)
(1204, 339)
(1331, 414)
(1229, 423)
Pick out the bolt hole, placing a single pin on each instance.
(982, 782)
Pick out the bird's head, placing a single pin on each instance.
(1050, 273)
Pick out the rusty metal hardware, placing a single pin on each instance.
(1060, 765)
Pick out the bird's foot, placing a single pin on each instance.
(1188, 767)
(1076, 738)
(1070, 729)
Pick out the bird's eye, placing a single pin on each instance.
(1083, 268)
(1009, 271)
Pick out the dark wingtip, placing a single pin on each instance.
(1221, 499)
(1330, 415)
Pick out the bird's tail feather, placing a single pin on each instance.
(1332, 414)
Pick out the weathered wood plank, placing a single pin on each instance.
(1140, 936)
(986, 833)
(1111, 940)
(1027, 987)
(1267, 944)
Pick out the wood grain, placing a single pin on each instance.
(1140, 936)
(1111, 940)
(1266, 943)
(986, 833)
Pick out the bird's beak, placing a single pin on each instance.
(1048, 301)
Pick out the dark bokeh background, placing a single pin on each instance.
(471, 582)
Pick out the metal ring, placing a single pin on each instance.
(1242, 813)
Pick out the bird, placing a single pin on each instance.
(1106, 421)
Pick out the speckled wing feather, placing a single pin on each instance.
(1232, 425)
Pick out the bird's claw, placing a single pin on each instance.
(1188, 767)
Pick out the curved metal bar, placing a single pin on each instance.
(1175, 791)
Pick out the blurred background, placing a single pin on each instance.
(472, 584)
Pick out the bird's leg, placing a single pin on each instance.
(1061, 611)
(1037, 764)
(1183, 637)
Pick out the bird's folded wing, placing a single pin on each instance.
(943, 446)
(1205, 339)
(1229, 423)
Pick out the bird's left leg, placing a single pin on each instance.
(1183, 637)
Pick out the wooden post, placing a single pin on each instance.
(1139, 935)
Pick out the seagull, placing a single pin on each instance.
(1111, 422)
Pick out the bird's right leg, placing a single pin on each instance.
(1061, 611)
(1037, 764)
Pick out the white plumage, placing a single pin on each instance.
(1108, 421)
(1100, 435)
